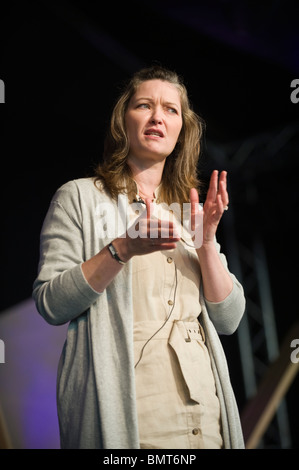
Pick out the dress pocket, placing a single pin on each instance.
(188, 355)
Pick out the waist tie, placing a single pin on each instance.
(188, 329)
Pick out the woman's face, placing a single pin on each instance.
(153, 121)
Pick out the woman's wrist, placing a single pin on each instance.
(217, 283)
(121, 246)
(206, 249)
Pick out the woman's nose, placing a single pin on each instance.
(156, 117)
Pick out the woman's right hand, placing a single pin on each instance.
(147, 235)
(152, 235)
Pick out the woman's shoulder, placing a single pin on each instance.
(80, 187)
(76, 194)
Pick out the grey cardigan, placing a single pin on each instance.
(95, 384)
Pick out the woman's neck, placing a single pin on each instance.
(147, 178)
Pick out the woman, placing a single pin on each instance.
(142, 366)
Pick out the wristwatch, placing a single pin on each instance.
(114, 253)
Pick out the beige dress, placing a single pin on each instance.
(176, 396)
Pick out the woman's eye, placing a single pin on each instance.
(143, 105)
(172, 110)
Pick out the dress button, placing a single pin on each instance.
(170, 302)
(195, 431)
(169, 259)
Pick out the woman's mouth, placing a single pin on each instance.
(156, 133)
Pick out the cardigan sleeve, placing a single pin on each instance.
(227, 314)
(60, 291)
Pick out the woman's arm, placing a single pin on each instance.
(60, 290)
(224, 296)
(227, 313)
(217, 283)
(67, 284)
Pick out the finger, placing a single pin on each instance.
(220, 207)
(162, 246)
(223, 188)
(160, 229)
(150, 224)
(213, 187)
(194, 201)
(148, 204)
(168, 230)
(223, 177)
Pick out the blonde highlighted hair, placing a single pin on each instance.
(180, 170)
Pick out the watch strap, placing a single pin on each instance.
(114, 254)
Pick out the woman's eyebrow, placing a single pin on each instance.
(147, 98)
(169, 103)
(144, 98)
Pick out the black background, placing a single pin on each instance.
(63, 64)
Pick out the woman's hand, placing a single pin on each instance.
(217, 283)
(213, 208)
(147, 235)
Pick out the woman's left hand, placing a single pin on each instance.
(216, 202)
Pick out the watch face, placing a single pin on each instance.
(112, 249)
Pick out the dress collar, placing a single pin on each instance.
(156, 193)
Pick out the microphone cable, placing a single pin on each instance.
(168, 317)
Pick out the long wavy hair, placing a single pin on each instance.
(180, 172)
